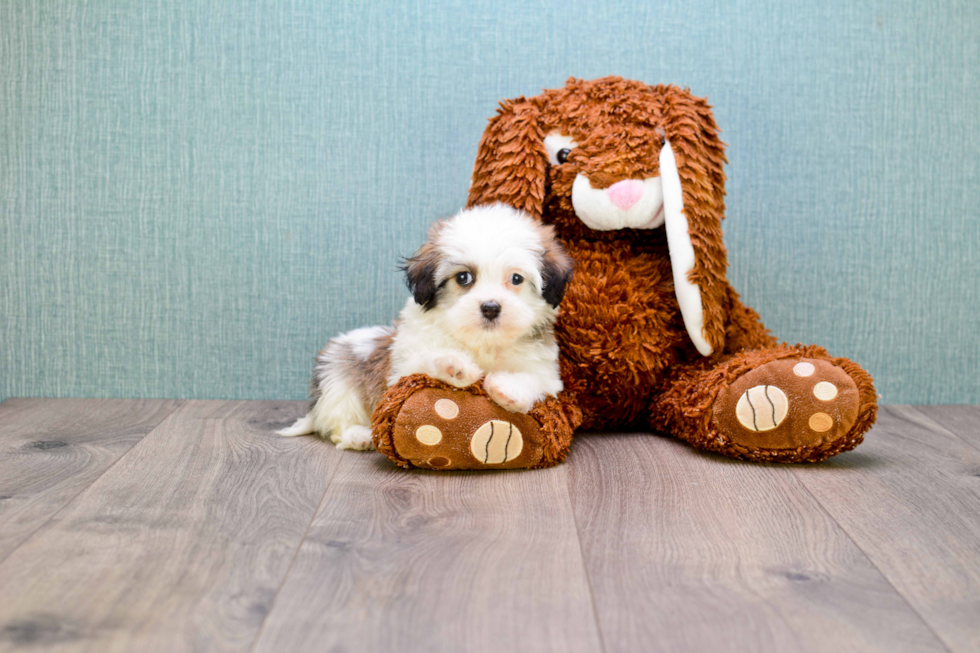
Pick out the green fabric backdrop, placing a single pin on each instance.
(194, 196)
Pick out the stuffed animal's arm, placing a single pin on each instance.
(745, 329)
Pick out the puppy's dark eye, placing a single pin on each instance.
(516, 279)
(464, 278)
(562, 155)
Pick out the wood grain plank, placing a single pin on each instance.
(964, 421)
(691, 552)
(181, 546)
(910, 498)
(52, 449)
(437, 561)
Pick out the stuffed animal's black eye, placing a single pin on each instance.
(464, 278)
(516, 279)
(562, 155)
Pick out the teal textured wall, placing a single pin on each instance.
(194, 196)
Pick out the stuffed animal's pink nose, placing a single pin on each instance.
(626, 193)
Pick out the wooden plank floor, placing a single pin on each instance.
(187, 526)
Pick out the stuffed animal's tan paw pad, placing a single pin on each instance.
(788, 404)
(762, 408)
(428, 434)
(496, 442)
(446, 408)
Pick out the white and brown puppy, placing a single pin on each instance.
(486, 288)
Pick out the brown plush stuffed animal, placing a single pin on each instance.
(651, 334)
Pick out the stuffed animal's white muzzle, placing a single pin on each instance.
(628, 204)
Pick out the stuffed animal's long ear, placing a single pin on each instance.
(511, 162)
(693, 180)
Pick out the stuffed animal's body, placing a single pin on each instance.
(650, 331)
(620, 332)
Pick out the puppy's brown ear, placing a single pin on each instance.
(556, 268)
(691, 161)
(511, 162)
(420, 275)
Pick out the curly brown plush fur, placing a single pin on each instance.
(627, 357)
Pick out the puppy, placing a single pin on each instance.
(485, 293)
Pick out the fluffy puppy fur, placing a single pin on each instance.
(485, 293)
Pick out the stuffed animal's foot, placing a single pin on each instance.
(423, 422)
(785, 403)
(791, 409)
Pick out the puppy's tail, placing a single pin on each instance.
(303, 426)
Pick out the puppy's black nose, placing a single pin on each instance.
(490, 310)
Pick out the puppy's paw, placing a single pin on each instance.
(354, 437)
(456, 370)
(510, 392)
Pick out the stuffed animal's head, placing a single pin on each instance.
(614, 158)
